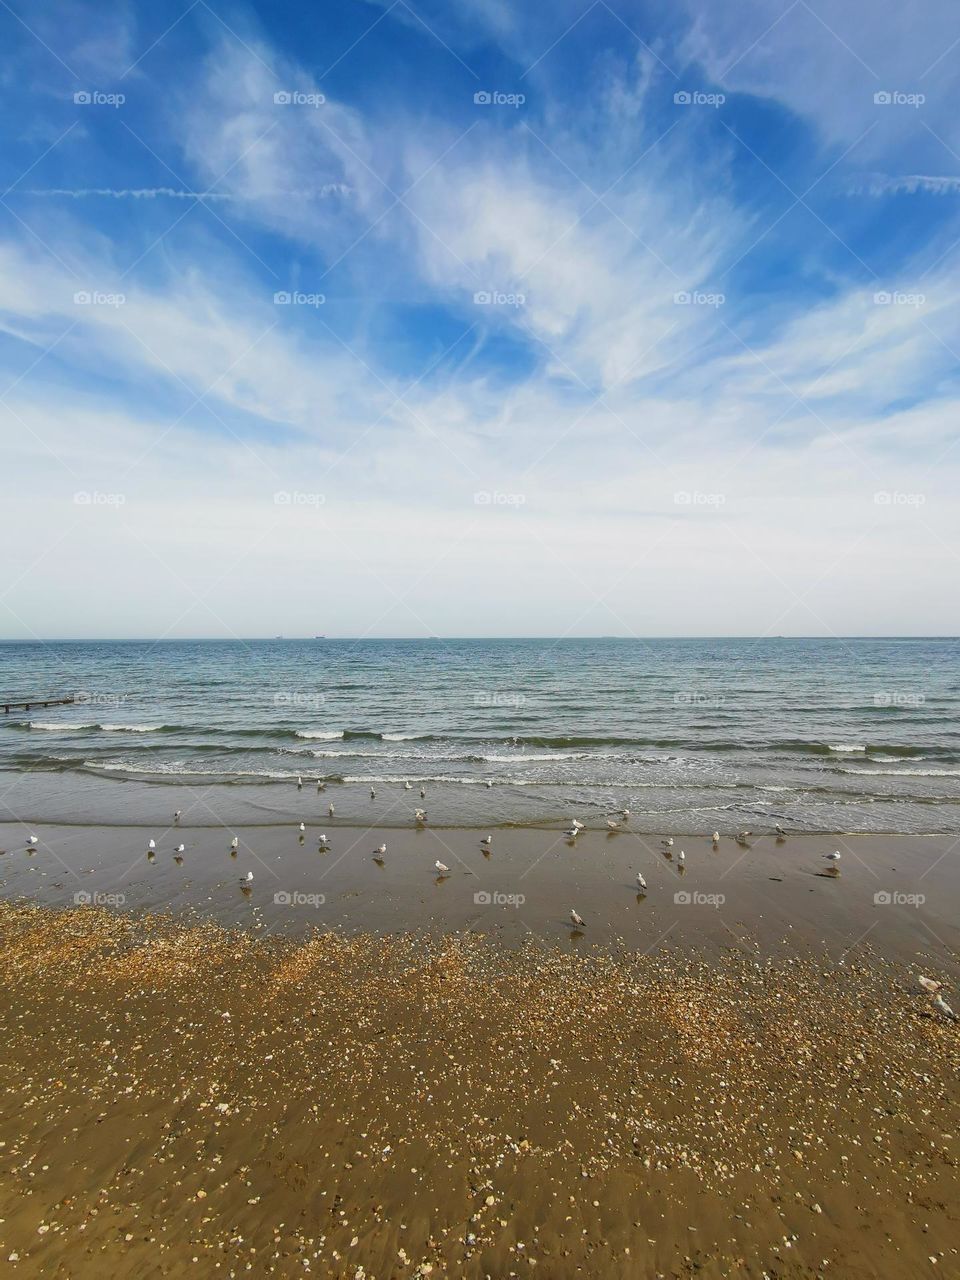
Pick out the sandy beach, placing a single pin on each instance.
(359, 1066)
(187, 1098)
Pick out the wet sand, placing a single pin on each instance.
(901, 894)
(190, 1100)
(223, 1076)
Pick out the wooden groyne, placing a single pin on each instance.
(35, 703)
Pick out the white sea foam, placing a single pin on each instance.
(905, 773)
(320, 735)
(845, 747)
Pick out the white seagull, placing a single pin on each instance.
(833, 857)
(668, 843)
(423, 793)
(929, 984)
(381, 850)
(742, 836)
(151, 844)
(613, 824)
(330, 809)
(420, 815)
(575, 822)
(373, 794)
(176, 816)
(249, 876)
(489, 783)
(235, 843)
(779, 830)
(941, 1006)
(641, 883)
(681, 856)
(303, 827)
(577, 919)
(407, 786)
(34, 840)
(180, 848)
(321, 785)
(299, 784)
(715, 837)
(441, 867)
(572, 833)
(487, 840)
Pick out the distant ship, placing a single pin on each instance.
(319, 637)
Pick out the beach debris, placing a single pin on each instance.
(577, 919)
(487, 840)
(941, 1006)
(929, 984)
(442, 867)
(641, 883)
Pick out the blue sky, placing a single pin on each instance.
(378, 318)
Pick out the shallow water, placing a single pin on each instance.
(690, 734)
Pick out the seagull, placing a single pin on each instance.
(487, 840)
(322, 841)
(929, 984)
(442, 867)
(624, 813)
(423, 793)
(151, 844)
(299, 784)
(381, 849)
(572, 833)
(234, 843)
(575, 822)
(321, 786)
(34, 840)
(303, 827)
(742, 836)
(407, 786)
(180, 848)
(577, 919)
(941, 1006)
(715, 837)
(668, 843)
(373, 794)
(780, 831)
(489, 783)
(330, 809)
(641, 883)
(176, 816)
(681, 856)
(420, 815)
(247, 878)
(613, 824)
(833, 857)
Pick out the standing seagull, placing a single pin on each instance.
(299, 784)
(668, 843)
(151, 844)
(381, 850)
(33, 840)
(442, 867)
(420, 815)
(572, 833)
(833, 857)
(235, 843)
(176, 816)
(929, 984)
(715, 837)
(178, 855)
(487, 840)
(330, 809)
(303, 827)
(941, 1006)
(781, 834)
(613, 825)
(423, 793)
(577, 919)
(321, 785)
(373, 794)
(641, 883)
(682, 856)
(407, 786)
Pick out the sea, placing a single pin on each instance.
(690, 735)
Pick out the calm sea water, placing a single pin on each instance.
(689, 734)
